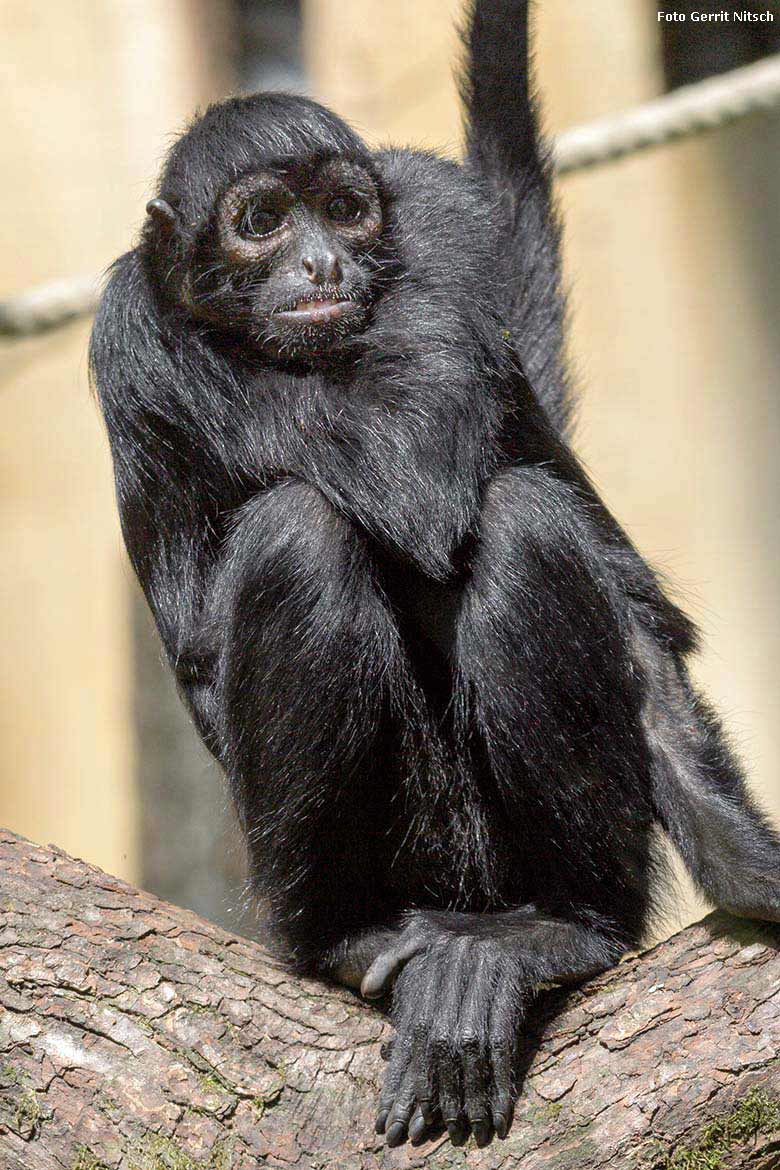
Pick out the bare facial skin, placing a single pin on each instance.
(294, 264)
(317, 311)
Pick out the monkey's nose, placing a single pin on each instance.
(320, 269)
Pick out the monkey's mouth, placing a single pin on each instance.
(319, 311)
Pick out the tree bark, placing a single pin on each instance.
(135, 1036)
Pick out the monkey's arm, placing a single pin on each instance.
(165, 418)
(462, 987)
(408, 462)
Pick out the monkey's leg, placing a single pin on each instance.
(544, 683)
(311, 687)
(700, 793)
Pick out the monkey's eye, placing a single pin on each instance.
(262, 217)
(344, 208)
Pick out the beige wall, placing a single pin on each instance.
(386, 67)
(90, 91)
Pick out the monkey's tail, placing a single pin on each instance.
(504, 146)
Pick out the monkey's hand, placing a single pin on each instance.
(458, 1003)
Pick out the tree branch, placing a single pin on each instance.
(135, 1036)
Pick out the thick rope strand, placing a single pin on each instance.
(689, 110)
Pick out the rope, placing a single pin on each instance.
(690, 110)
(47, 306)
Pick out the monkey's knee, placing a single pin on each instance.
(540, 618)
(525, 506)
(291, 520)
(288, 545)
(531, 555)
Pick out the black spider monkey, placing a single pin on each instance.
(450, 696)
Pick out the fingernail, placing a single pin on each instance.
(481, 1133)
(381, 1121)
(457, 1134)
(417, 1131)
(396, 1134)
(499, 1121)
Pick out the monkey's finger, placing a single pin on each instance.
(397, 1065)
(384, 970)
(420, 1072)
(418, 1127)
(422, 1130)
(421, 1061)
(390, 1089)
(477, 1108)
(406, 997)
(397, 1123)
(446, 1067)
(506, 1017)
(471, 1043)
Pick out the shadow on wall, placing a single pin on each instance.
(190, 847)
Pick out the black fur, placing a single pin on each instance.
(450, 696)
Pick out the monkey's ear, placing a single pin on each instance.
(163, 214)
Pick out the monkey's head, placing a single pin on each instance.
(269, 223)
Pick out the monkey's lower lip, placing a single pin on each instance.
(315, 312)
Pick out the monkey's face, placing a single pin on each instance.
(290, 256)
